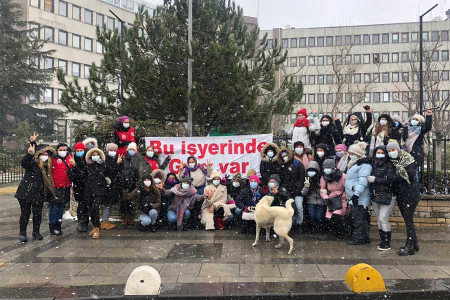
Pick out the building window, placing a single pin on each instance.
(75, 69)
(375, 38)
(357, 78)
(348, 59)
(76, 12)
(348, 40)
(48, 63)
(320, 60)
(425, 36)
(376, 58)
(338, 41)
(348, 98)
(269, 42)
(435, 75)
(48, 5)
(62, 8)
(357, 58)
(385, 77)
(302, 42)
(445, 75)
(396, 97)
(86, 71)
(445, 95)
(435, 36)
(395, 57)
(444, 55)
(293, 43)
(405, 76)
(376, 77)
(62, 37)
(367, 97)
(395, 77)
(88, 16)
(386, 97)
(329, 41)
(395, 39)
(405, 37)
(311, 98)
(111, 24)
(311, 60)
(320, 79)
(35, 32)
(385, 57)
(357, 39)
(303, 79)
(435, 55)
(99, 47)
(366, 39)
(329, 79)
(444, 35)
(302, 61)
(293, 62)
(338, 60)
(34, 62)
(405, 57)
(366, 77)
(385, 38)
(320, 41)
(62, 64)
(414, 36)
(311, 42)
(284, 42)
(321, 98)
(329, 60)
(49, 34)
(366, 58)
(330, 98)
(100, 20)
(405, 96)
(76, 41)
(311, 79)
(376, 97)
(35, 3)
(48, 95)
(60, 92)
(88, 44)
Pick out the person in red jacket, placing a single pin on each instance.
(61, 168)
(124, 134)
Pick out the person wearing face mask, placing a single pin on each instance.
(78, 188)
(124, 134)
(397, 129)
(301, 154)
(355, 129)
(184, 197)
(149, 203)
(381, 191)
(36, 187)
(315, 205)
(113, 190)
(276, 189)
(212, 211)
(152, 158)
(341, 158)
(358, 192)
(407, 191)
(269, 162)
(246, 202)
(163, 182)
(332, 190)
(302, 129)
(62, 175)
(414, 134)
(90, 143)
(198, 173)
(328, 134)
(321, 155)
(382, 133)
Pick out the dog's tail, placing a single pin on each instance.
(289, 207)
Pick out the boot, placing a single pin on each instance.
(52, 229)
(37, 236)
(381, 237)
(124, 221)
(92, 231)
(57, 229)
(107, 225)
(23, 237)
(218, 223)
(81, 227)
(95, 233)
(407, 250)
(130, 221)
(385, 241)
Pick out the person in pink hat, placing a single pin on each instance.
(124, 134)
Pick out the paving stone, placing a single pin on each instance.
(106, 269)
(310, 271)
(190, 279)
(130, 267)
(180, 269)
(67, 281)
(259, 270)
(63, 269)
(446, 269)
(219, 270)
(25, 269)
(26, 281)
(419, 272)
(108, 280)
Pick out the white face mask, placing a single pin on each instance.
(353, 157)
(354, 122)
(185, 186)
(43, 157)
(150, 153)
(157, 180)
(325, 123)
(383, 122)
(327, 171)
(126, 125)
(270, 154)
(191, 165)
(380, 155)
(299, 150)
(112, 153)
(285, 158)
(414, 122)
(62, 153)
(271, 185)
(311, 173)
(147, 183)
(320, 153)
(216, 182)
(236, 184)
(393, 154)
(95, 157)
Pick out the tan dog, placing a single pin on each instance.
(280, 218)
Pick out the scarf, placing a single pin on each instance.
(98, 161)
(187, 170)
(303, 159)
(341, 164)
(375, 141)
(334, 176)
(302, 123)
(46, 170)
(186, 199)
(404, 160)
(256, 195)
(351, 130)
(352, 162)
(413, 134)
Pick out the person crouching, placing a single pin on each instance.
(149, 203)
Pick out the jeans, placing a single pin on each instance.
(200, 189)
(149, 219)
(26, 207)
(56, 212)
(383, 213)
(316, 213)
(238, 212)
(106, 212)
(172, 216)
(298, 201)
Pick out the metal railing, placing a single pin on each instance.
(10, 169)
(436, 173)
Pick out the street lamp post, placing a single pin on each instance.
(122, 50)
(421, 58)
(190, 60)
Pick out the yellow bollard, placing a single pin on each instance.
(363, 278)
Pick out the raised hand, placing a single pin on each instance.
(307, 183)
(336, 117)
(72, 161)
(429, 112)
(119, 159)
(209, 163)
(31, 150)
(160, 186)
(275, 191)
(34, 137)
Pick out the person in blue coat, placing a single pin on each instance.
(357, 190)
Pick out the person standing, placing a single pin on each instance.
(35, 188)
(152, 158)
(303, 128)
(414, 133)
(381, 134)
(124, 135)
(328, 134)
(341, 158)
(78, 187)
(397, 129)
(355, 129)
(269, 162)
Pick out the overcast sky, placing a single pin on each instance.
(324, 13)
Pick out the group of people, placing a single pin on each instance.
(334, 174)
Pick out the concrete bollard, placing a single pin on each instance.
(144, 281)
(363, 278)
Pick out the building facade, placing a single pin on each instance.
(69, 27)
(346, 68)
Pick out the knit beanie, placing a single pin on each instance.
(358, 149)
(299, 143)
(329, 164)
(215, 174)
(237, 177)
(122, 119)
(420, 118)
(302, 112)
(393, 145)
(61, 145)
(340, 147)
(79, 146)
(255, 178)
(322, 146)
(111, 147)
(187, 179)
(132, 146)
(251, 172)
(396, 118)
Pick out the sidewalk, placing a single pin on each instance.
(208, 262)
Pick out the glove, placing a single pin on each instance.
(354, 199)
(371, 179)
(108, 181)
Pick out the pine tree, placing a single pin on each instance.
(234, 85)
(19, 76)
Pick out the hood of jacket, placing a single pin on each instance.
(91, 140)
(161, 173)
(313, 165)
(289, 153)
(387, 117)
(43, 148)
(119, 127)
(358, 115)
(264, 150)
(90, 152)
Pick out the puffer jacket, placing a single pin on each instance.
(133, 171)
(335, 188)
(115, 174)
(407, 192)
(311, 194)
(329, 135)
(149, 198)
(381, 191)
(356, 181)
(95, 174)
(248, 197)
(292, 174)
(268, 166)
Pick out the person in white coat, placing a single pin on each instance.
(303, 127)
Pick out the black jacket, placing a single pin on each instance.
(280, 198)
(381, 191)
(95, 180)
(132, 167)
(113, 191)
(362, 130)
(248, 198)
(417, 149)
(407, 192)
(149, 200)
(292, 176)
(78, 179)
(329, 136)
(397, 132)
(268, 166)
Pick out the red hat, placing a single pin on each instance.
(255, 178)
(302, 112)
(80, 146)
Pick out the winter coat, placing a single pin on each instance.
(32, 185)
(397, 132)
(95, 174)
(407, 192)
(154, 162)
(115, 175)
(268, 166)
(362, 129)
(292, 174)
(218, 200)
(198, 177)
(381, 191)
(329, 136)
(334, 189)
(78, 179)
(123, 137)
(311, 194)
(280, 198)
(132, 172)
(149, 198)
(233, 192)
(248, 198)
(176, 199)
(303, 134)
(61, 172)
(356, 181)
(417, 149)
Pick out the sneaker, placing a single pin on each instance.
(107, 225)
(81, 228)
(23, 238)
(382, 247)
(96, 233)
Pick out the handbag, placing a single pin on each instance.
(248, 216)
(334, 203)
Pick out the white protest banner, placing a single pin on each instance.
(228, 154)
